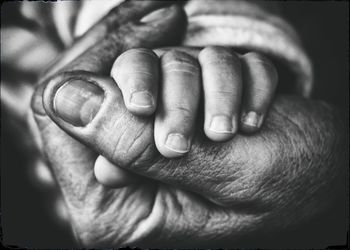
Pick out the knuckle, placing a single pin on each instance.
(215, 50)
(226, 98)
(225, 94)
(133, 57)
(261, 71)
(185, 111)
(142, 52)
(138, 52)
(218, 55)
(180, 117)
(256, 56)
(262, 93)
(262, 65)
(140, 65)
(176, 60)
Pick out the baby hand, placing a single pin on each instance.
(236, 90)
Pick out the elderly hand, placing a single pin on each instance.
(180, 79)
(215, 195)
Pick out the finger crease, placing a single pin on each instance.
(182, 71)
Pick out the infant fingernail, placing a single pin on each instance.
(155, 15)
(77, 102)
(177, 143)
(252, 119)
(141, 99)
(222, 124)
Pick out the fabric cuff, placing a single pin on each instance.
(245, 32)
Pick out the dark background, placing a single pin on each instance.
(27, 213)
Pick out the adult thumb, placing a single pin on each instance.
(91, 109)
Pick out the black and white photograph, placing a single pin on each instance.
(197, 124)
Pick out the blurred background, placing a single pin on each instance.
(32, 213)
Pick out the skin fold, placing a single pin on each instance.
(217, 194)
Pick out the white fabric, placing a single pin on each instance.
(244, 25)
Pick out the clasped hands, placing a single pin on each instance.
(175, 185)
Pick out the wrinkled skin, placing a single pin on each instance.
(216, 195)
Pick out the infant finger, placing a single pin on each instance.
(178, 104)
(260, 77)
(222, 83)
(136, 72)
(111, 175)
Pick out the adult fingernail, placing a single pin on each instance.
(77, 102)
(222, 124)
(141, 99)
(155, 15)
(252, 119)
(177, 143)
